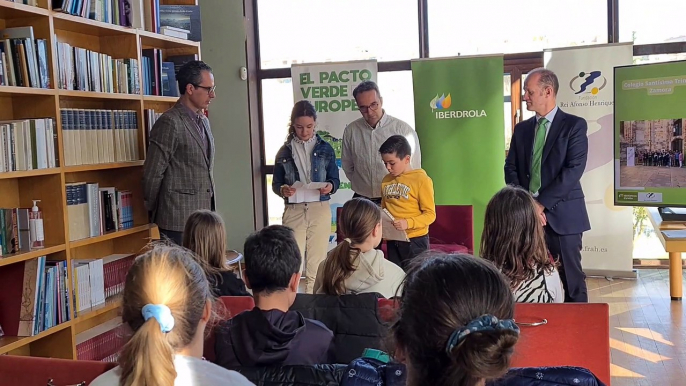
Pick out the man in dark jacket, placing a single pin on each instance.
(270, 334)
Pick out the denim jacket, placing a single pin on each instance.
(324, 167)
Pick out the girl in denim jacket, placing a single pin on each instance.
(306, 158)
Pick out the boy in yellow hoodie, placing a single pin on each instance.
(408, 194)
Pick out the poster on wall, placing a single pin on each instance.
(459, 116)
(329, 86)
(586, 82)
(649, 117)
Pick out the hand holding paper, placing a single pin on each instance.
(388, 229)
(306, 192)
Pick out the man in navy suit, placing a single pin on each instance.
(548, 156)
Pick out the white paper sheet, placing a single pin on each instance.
(306, 192)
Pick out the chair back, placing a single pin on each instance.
(574, 335)
(229, 307)
(22, 370)
(454, 225)
(388, 309)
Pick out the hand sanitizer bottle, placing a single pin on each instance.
(36, 227)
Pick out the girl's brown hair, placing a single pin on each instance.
(513, 238)
(205, 235)
(165, 275)
(441, 294)
(358, 219)
(303, 108)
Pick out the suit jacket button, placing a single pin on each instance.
(208, 190)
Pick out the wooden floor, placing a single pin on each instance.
(647, 334)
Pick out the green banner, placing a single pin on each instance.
(458, 104)
(649, 142)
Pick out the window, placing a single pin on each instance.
(659, 58)
(275, 204)
(398, 97)
(504, 26)
(277, 102)
(507, 86)
(655, 21)
(305, 31)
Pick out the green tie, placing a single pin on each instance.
(539, 143)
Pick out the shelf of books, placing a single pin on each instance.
(80, 87)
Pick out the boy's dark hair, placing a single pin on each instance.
(398, 145)
(191, 73)
(367, 85)
(271, 258)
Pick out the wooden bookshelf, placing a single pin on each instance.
(24, 256)
(29, 173)
(49, 185)
(103, 166)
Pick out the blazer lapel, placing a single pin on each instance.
(190, 126)
(555, 129)
(210, 141)
(528, 138)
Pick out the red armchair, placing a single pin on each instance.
(573, 334)
(21, 370)
(453, 230)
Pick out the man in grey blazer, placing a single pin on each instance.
(177, 176)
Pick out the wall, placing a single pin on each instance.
(223, 48)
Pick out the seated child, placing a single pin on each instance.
(270, 334)
(455, 324)
(409, 197)
(167, 303)
(205, 235)
(354, 266)
(514, 240)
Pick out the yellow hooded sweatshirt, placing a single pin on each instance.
(410, 196)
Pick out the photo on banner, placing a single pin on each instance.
(586, 77)
(459, 120)
(329, 86)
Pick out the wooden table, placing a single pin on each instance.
(674, 246)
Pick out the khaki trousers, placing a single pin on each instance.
(311, 223)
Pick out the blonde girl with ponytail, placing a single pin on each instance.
(167, 304)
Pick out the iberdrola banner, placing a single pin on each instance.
(459, 119)
(586, 76)
(329, 86)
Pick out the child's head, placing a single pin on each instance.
(167, 303)
(513, 237)
(205, 235)
(444, 296)
(303, 121)
(272, 261)
(396, 153)
(360, 223)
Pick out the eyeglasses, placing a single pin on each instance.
(363, 109)
(210, 90)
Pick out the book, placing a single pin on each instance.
(169, 85)
(186, 17)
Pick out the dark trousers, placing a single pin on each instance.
(402, 252)
(377, 200)
(175, 236)
(567, 249)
